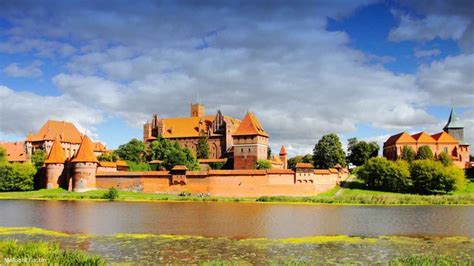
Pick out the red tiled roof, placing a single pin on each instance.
(99, 146)
(444, 137)
(190, 126)
(423, 137)
(180, 167)
(56, 154)
(304, 165)
(403, 137)
(85, 153)
(15, 151)
(250, 126)
(283, 150)
(280, 171)
(66, 131)
(322, 171)
(333, 170)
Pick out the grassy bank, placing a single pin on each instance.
(43, 253)
(354, 193)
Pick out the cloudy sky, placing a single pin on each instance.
(364, 68)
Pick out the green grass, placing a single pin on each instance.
(354, 193)
(44, 253)
(430, 260)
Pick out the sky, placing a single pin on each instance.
(358, 68)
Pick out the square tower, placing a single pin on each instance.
(197, 110)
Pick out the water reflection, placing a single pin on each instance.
(237, 220)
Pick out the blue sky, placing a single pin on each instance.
(367, 69)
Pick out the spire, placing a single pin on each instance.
(250, 126)
(453, 121)
(283, 150)
(56, 154)
(85, 152)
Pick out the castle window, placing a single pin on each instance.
(446, 149)
(249, 149)
(242, 150)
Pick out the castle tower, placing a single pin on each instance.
(454, 128)
(85, 167)
(283, 157)
(197, 110)
(250, 143)
(55, 164)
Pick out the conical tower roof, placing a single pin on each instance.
(250, 126)
(56, 154)
(85, 152)
(453, 121)
(283, 150)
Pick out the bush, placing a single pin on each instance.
(408, 154)
(16, 176)
(216, 165)
(380, 173)
(424, 153)
(433, 177)
(445, 159)
(138, 167)
(111, 194)
(263, 164)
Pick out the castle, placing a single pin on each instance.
(450, 141)
(84, 173)
(245, 142)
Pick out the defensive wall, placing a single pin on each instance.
(230, 183)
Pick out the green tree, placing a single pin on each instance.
(172, 154)
(202, 149)
(424, 152)
(308, 158)
(408, 154)
(133, 151)
(433, 177)
(328, 152)
(108, 157)
(269, 152)
(360, 151)
(3, 154)
(382, 174)
(38, 157)
(263, 165)
(16, 176)
(445, 159)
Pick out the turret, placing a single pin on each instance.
(55, 165)
(283, 157)
(85, 167)
(197, 110)
(250, 143)
(454, 128)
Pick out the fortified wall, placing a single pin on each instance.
(230, 183)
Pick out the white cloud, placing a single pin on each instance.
(21, 112)
(31, 70)
(428, 28)
(426, 53)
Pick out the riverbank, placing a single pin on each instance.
(354, 193)
(182, 249)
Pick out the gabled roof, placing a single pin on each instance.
(444, 137)
(403, 137)
(66, 131)
(283, 150)
(276, 159)
(304, 165)
(250, 126)
(56, 154)
(453, 121)
(85, 153)
(423, 137)
(15, 151)
(191, 126)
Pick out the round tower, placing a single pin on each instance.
(85, 167)
(284, 157)
(55, 165)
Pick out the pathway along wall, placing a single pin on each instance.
(230, 183)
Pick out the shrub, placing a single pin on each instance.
(216, 165)
(433, 177)
(138, 167)
(111, 194)
(445, 159)
(424, 153)
(263, 164)
(408, 154)
(380, 173)
(16, 176)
